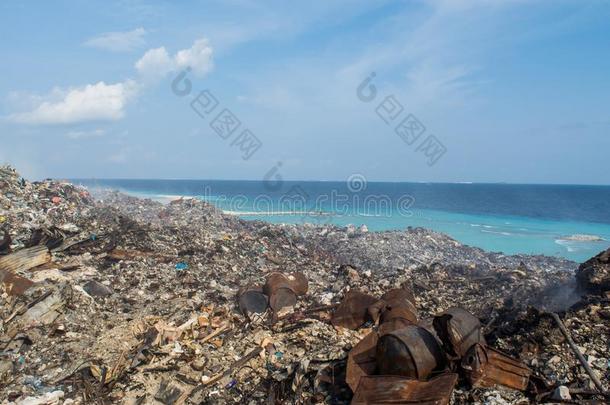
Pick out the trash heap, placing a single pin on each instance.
(107, 298)
(406, 360)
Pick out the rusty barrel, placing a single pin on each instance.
(282, 289)
(458, 329)
(411, 351)
(251, 299)
(352, 311)
(395, 304)
(361, 361)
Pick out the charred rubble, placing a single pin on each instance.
(115, 299)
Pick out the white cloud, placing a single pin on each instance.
(118, 41)
(93, 102)
(96, 133)
(107, 102)
(157, 62)
(198, 57)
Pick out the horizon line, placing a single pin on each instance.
(340, 181)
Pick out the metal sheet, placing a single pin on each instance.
(402, 390)
(20, 261)
(487, 367)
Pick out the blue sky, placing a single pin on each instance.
(514, 90)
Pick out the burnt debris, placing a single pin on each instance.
(115, 299)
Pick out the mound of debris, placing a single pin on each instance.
(594, 274)
(115, 299)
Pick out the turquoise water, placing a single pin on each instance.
(566, 221)
(510, 235)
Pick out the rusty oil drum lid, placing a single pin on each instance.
(252, 300)
(411, 351)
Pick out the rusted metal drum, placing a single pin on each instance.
(398, 296)
(409, 352)
(252, 300)
(298, 282)
(282, 289)
(395, 304)
(361, 361)
(352, 312)
(458, 329)
(487, 367)
(280, 292)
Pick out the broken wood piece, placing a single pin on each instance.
(235, 366)
(58, 266)
(122, 254)
(578, 354)
(219, 331)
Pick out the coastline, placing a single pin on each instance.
(122, 267)
(576, 241)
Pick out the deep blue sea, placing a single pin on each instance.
(556, 220)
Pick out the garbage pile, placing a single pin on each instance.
(594, 274)
(107, 298)
(411, 361)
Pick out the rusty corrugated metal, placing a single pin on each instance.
(410, 352)
(352, 312)
(22, 260)
(487, 367)
(458, 329)
(402, 390)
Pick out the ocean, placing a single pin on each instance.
(570, 221)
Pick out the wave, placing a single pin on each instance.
(580, 237)
(567, 244)
(271, 213)
(497, 232)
